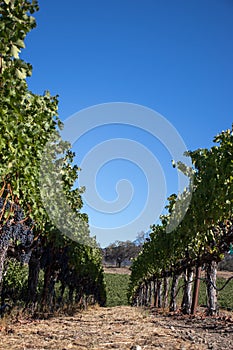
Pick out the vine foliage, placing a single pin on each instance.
(29, 123)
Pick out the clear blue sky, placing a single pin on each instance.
(175, 57)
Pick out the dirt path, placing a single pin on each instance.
(118, 328)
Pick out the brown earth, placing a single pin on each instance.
(122, 328)
(225, 274)
(117, 270)
(126, 271)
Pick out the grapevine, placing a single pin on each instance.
(200, 241)
(28, 124)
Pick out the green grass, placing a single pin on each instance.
(116, 289)
(117, 285)
(225, 296)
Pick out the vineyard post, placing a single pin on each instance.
(146, 293)
(143, 294)
(211, 274)
(155, 292)
(173, 292)
(165, 290)
(196, 289)
(149, 293)
(152, 293)
(159, 292)
(187, 294)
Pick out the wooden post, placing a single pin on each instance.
(155, 293)
(196, 290)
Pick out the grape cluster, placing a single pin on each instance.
(6, 234)
(4, 204)
(16, 231)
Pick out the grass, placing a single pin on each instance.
(225, 296)
(116, 289)
(117, 286)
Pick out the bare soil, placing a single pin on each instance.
(117, 270)
(224, 274)
(126, 271)
(121, 327)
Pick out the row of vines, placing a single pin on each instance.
(196, 245)
(27, 234)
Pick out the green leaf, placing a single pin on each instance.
(20, 43)
(15, 51)
(21, 73)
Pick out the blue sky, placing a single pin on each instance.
(175, 57)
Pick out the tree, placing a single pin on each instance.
(120, 251)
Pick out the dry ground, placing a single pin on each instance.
(120, 328)
(117, 270)
(126, 270)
